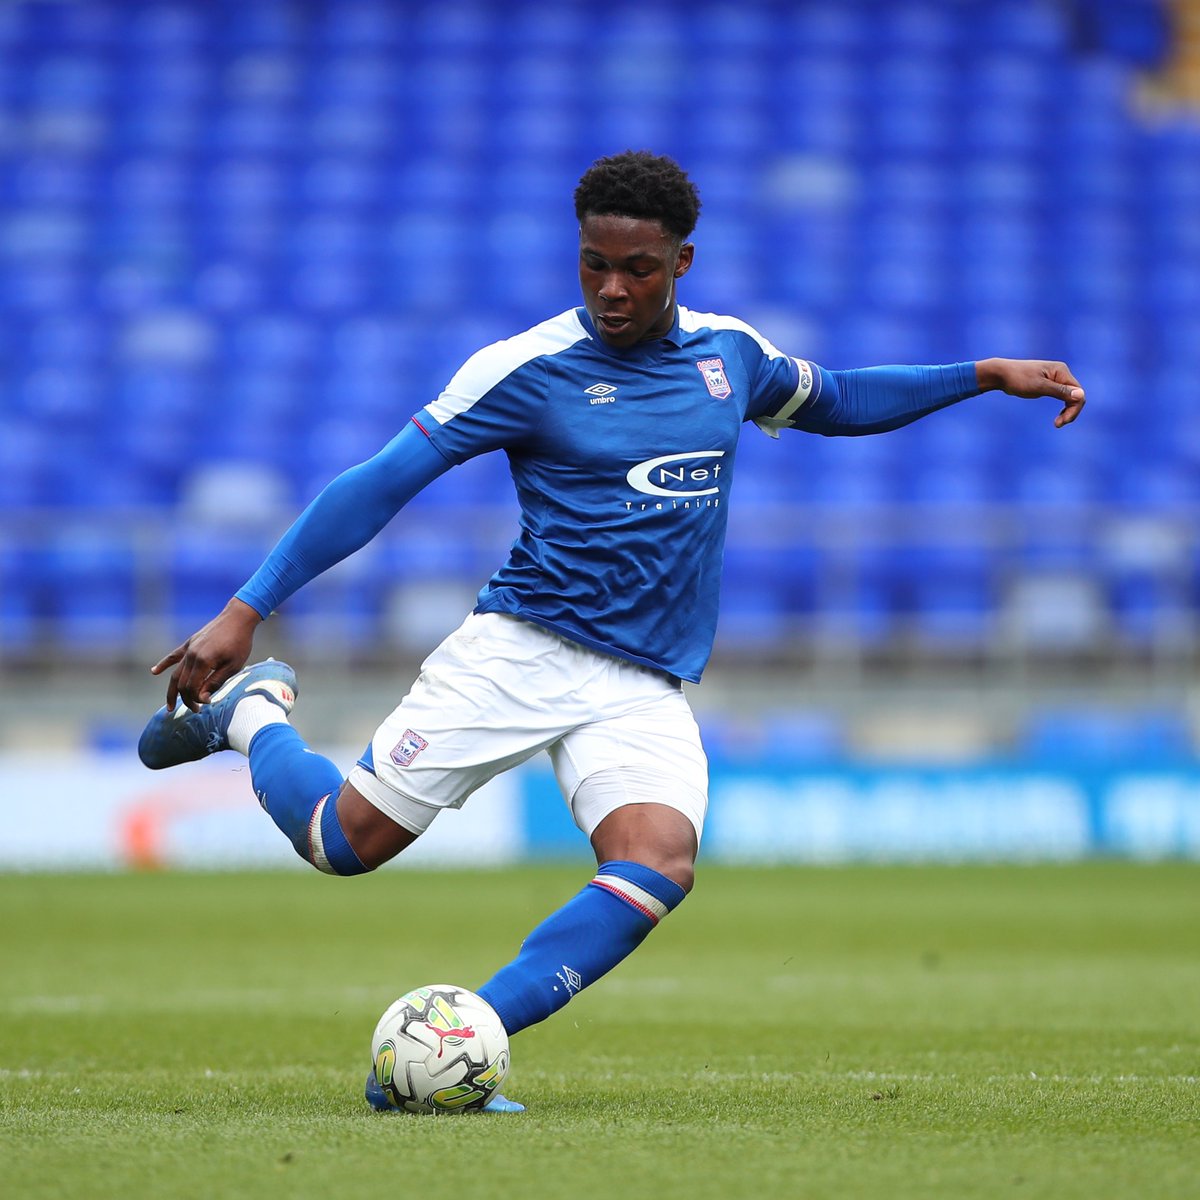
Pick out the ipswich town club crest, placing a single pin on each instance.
(715, 379)
(407, 748)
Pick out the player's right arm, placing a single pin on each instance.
(494, 400)
(347, 514)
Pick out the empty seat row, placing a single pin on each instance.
(241, 243)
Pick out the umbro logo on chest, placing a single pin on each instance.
(601, 393)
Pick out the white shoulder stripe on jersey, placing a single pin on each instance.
(690, 322)
(487, 367)
(806, 378)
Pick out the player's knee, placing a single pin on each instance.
(655, 835)
(674, 868)
(674, 862)
(681, 871)
(677, 867)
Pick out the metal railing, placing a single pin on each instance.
(1011, 584)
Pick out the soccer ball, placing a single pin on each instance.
(440, 1049)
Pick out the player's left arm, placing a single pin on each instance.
(878, 399)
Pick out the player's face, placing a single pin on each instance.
(627, 269)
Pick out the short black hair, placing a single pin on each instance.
(640, 184)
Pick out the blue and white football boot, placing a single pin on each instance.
(379, 1102)
(179, 736)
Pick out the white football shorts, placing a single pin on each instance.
(497, 691)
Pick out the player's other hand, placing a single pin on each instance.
(210, 656)
(1031, 378)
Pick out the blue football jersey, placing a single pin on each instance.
(623, 461)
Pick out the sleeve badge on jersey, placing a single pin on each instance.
(806, 375)
(715, 379)
(407, 748)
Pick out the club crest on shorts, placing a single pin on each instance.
(407, 748)
(715, 379)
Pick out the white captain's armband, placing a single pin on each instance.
(807, 387)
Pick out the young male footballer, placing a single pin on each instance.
(621, 422)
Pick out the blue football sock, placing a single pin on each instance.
(584, 940)
(299, 790)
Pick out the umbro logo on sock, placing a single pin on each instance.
(571, 980)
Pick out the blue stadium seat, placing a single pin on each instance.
(44, 288)
(267, 24)
(364, 77)
(23, 601)
(25, 458)
(66, 399)
(923, 132)
(786, 736)
(470, 25)
(361, 25)
(1150, 610)
(922, 31)
(951, 594)
(343, 183)
(832, 31)
(341, 612)
(97, 26)
(68, 339)
(92, 591)
(754, 617)
(1136, 31)
(1038, 27)
(164, 29)
(243, 184)
(204, 566)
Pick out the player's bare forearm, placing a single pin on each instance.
(1030, 378)
(210, 656)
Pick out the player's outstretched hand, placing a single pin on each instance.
(210, 656)
(1030, 378)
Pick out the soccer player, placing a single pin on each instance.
(621, 422)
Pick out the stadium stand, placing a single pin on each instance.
(240, 244)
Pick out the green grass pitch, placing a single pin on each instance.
(840, 1032)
